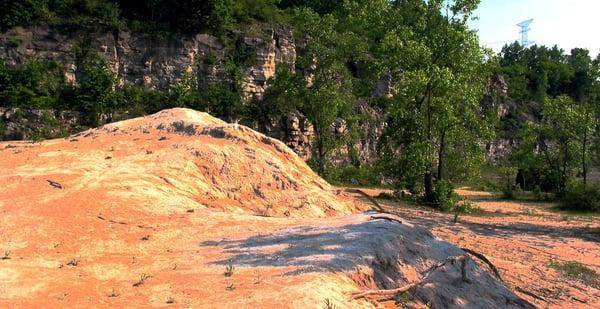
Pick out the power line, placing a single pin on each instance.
(499, 42)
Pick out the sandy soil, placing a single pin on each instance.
(521, 239)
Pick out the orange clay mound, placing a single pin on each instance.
(177, 158)
(181, 209)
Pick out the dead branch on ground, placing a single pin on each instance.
(485, 260)
(407, 287)
(519, 289)
(370, 198)
(376, 217)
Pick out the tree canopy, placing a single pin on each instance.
(437, 81)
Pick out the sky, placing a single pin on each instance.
(566, 23)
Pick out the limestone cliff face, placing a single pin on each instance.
(159, 62)
(276, 47)
(295, 130)
(151, 61)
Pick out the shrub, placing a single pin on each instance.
(445, 197)
(95, 93)
(447, 200)
(508, 185)
(32, 84)
(2, 128)
(21, 12)
(581, 198)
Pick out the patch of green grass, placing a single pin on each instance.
(577, 271)
(527, 196)
(14, 41)
(573, 214)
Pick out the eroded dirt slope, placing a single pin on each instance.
(181, 209)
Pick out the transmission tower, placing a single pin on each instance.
(525, 32)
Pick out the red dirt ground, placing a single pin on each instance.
(152, 211)
(521, 239)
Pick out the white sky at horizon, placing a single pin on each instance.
(566, 23)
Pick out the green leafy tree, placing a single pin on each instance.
(444, 78)
(95, 94)
(22, 12)
(326, 91)
(282, 96)
(33, 84)
(562, 139)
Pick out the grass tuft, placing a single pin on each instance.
(577, 271)
(229, 268)
(143, 278)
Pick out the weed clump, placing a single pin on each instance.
(577, 271)
(141, 280)
(229, 268)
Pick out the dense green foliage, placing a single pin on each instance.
(31, 84)
(440, 114)
(437, 120)
(581, 198)
(188, 16)
(538, 72)
(555, 115)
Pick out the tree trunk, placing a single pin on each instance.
(321, 158)
(583, 159)
(563, 180)
(583, 154)
(321, 155)
(440, 172)
(428, 182)
(318, 150)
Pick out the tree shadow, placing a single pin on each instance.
(381, 245)
(558, 234)
(328, 248)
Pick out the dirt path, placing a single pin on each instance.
(521, 239)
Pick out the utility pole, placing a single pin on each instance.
(525, 32)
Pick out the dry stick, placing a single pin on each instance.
(579, 300)
(386, 292)
(531, 294)
(385, 218)
(54, 184)
(370, 198)
(412, 285)
(463, 271)
(485, 260)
